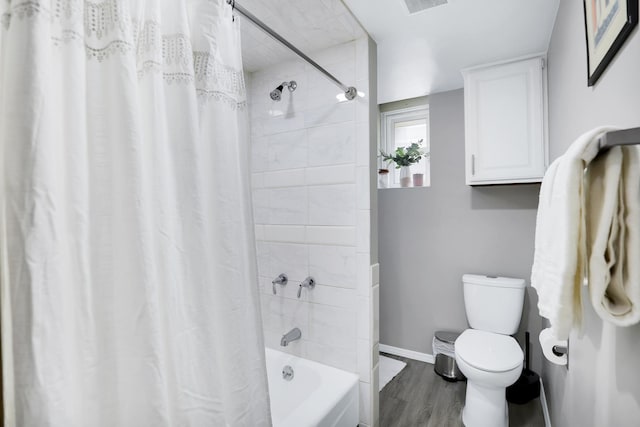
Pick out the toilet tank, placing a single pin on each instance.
(493, 304)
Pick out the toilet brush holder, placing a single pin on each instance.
(527, 387)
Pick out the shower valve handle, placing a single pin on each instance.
(282, 279)
(309, 283)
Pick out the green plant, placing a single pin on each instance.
(405, 156)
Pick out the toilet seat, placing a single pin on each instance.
(488, 351)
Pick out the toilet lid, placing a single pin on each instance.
(488, 351)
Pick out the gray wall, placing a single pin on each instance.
(430, 237)
(602, 385)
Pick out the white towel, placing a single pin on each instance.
(558, 264)
(612, 215)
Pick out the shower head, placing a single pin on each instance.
(276, 94)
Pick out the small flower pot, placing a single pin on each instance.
(383, 178)
(418, 179)
(405, 176)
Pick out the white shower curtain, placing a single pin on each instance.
(129, 292)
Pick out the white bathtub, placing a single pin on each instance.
(318, 395)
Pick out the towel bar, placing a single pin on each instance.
(619, 137)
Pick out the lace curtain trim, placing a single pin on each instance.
(104, 29)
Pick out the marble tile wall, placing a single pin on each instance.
(310, 180)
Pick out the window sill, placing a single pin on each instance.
(403, 188)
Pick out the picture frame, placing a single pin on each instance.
(607, 23)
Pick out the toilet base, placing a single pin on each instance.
(485, 407)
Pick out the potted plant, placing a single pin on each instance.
(404, 157)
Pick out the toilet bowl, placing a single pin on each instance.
(486, 353)
(491, 362)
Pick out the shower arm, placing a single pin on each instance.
(350, 92)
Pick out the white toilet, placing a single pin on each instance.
(486, 354)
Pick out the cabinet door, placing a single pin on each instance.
(504, 123)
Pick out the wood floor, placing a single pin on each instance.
(418, 397)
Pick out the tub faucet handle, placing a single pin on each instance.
(308, 283)
(282, 279)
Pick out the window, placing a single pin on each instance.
(400, 128)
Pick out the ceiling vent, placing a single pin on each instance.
(416, 6)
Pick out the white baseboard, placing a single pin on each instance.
(545, 407)
(409, 354)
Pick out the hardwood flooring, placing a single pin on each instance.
(418, 397)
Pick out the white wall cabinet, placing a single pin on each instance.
(505, 122)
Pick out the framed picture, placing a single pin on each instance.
(607, 25)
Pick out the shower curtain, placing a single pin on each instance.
(128, 279)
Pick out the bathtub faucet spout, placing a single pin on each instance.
(292, 335)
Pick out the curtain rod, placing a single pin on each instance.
(620, 137)
(350, 92)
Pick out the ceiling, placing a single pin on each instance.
(310, 25)
(418, 54)
(423, 53)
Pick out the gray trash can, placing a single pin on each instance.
(444, 352)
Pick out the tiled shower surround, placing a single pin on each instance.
(311, 196)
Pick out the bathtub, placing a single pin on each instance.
(318, 395)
